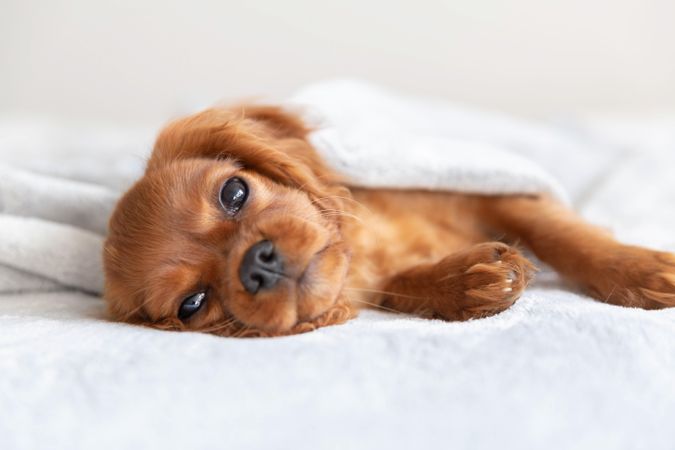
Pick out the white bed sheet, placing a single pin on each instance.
(555, 371)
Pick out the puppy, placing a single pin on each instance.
(238, 228)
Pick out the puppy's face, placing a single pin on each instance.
(232, 230)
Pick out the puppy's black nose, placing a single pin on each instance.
(261, 268)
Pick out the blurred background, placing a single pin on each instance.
(141, 61)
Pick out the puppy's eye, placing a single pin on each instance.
(233, 195)
(191, 305)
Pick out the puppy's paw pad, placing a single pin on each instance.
(492, 287)
(495, 279)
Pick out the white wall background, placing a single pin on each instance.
(142, 60)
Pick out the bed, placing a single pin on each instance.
(556, 371)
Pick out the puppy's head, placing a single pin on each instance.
(234, 229)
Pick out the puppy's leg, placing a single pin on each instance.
(478, 282)
(589, 256)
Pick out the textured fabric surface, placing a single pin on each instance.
(381, 138)
(57, 191)
(555, 371)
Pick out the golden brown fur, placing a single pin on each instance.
(427, 253)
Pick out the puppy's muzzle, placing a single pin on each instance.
(261, 268)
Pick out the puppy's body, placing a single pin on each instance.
(390, 231)
(295, 248)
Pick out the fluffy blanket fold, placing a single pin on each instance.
(52, 232)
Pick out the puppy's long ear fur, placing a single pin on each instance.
(266, 139)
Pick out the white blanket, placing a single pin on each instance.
(378, 139)
(557, 370)
(53, 228)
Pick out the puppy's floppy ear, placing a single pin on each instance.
(280, 122)
(266, 139)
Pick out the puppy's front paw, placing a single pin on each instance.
(635, 276)
(492, 280)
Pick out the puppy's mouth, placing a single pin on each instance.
(283, 292)
(264, 267)
(305, 277)
(340, 312)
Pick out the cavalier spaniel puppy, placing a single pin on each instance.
(238, 228)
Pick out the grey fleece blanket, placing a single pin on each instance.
(52, 232)
(52, 227)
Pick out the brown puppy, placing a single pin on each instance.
(238, 228)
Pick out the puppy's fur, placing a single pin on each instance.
(425, 253)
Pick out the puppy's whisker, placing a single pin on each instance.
(243, 331)
(334, 213)
(375, 305)
(316, 176)
(356, 202)
(305, 219)
(218, 327)
(377, 291)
